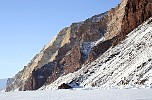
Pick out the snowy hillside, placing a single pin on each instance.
(128, 94)
(2, 83)
(127, 65)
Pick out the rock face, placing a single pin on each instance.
(81, 43)
(127, 65)
(135, 12)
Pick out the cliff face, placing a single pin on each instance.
(136, 12)
(127, 65)
(80, 43)
(133, 13)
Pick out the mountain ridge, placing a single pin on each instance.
(73, 45)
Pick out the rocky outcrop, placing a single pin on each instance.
(64, 86)
(136, 12)
(79, 43)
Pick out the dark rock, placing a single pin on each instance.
(64, 86)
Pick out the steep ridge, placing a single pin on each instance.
(127, 65)
(76, 44)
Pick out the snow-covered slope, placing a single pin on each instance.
(127, 65)
(2, 83)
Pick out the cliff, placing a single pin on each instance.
(81, 43)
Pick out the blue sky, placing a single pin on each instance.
(27, 25)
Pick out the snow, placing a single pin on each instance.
(86, 48)
(2, 84)
(40, 76)
(62, 79)
(83, 94)
(98, 41)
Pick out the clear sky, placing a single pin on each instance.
(27, 25)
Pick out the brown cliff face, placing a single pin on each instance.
(65, 54)
(92, 29)
(69, 64)
(136, 12)
(72, 61)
